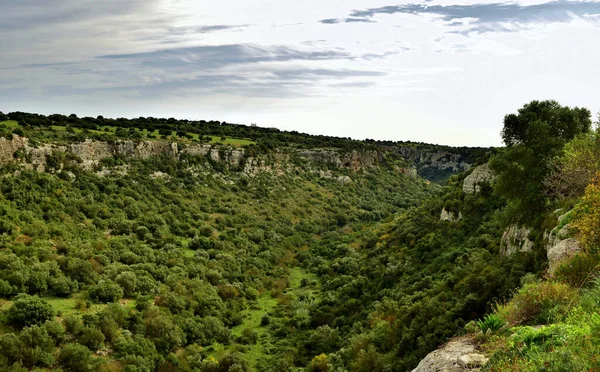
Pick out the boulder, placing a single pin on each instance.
(471, 361)
(446, 358)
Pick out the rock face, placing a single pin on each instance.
(355, 160)
(91, 153)
(9, 147)
(450, 216)
(515, 239)
(480, 174)
(457, 355)
(561, 244)
(444, 160)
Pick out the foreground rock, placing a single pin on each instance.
(459, 354)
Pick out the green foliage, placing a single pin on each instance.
(29, 310)
(534, 137)
(492, 323)
(538, 303)
(76, 358)
(578, 270)
(106, 291)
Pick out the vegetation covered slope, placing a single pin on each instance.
(551, 323)
(188, 263)
(172, 264)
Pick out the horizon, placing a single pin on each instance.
(436, 71)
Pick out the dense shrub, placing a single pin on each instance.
(538, 303)
(29, 310)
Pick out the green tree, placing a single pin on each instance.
(533, 137)
(76, 358)
(106, 291)
(29, 310)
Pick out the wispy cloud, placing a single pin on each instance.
(332, 21)
(212, 57)
(492, 17)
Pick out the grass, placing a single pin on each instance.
(10, 124)
(155, 135)
(295, 288)
(252, 318)
(239, 142)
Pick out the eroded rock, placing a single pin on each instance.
(481, 174)
(450, 216)
(446, 358)
(515, 239)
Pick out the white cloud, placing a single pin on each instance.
(441, 73)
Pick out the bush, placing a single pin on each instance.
(92, 338)
(538, 303)
(106, 291)
(76, 358)
(578, 270)
(29, 310)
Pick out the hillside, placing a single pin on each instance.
(164, 245)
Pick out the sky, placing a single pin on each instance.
(436, 71)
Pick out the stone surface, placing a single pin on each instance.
(515, 239)
(561, 243)
(471, 361)
(482, 173)
(561, 250)
(450, 216)
(445, 359)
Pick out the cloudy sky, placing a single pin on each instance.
(440, 71)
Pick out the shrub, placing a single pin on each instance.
(29, 310)
(106, 291)
(538, 303)
(92, 338)
(492, 323)
(578, 270)
(75, 357)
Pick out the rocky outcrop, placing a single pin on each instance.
(355, 160)
(431, 160)
(408, 171)
(9, 147)
(515, 239)
(560, 244)
(458, 355)
(481, 174)
(91, 153)
(450, 216)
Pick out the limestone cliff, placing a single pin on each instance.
(434, 162)
(481, 174)
(91, 153)
(515, 239)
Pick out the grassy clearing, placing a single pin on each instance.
(155, 135)
(10, 124)
(252, 319)
(295, 288)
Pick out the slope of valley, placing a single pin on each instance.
(164, 245)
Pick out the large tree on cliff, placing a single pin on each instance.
(533, 137)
